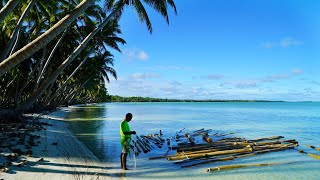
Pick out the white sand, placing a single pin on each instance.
(69, 159)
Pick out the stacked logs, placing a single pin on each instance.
(145, 143)
(191, 152)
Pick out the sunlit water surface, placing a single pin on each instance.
(97, 126)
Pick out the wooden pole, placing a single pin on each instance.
(216, 153)
(237, 166)
(206, 138)
(313, 147)
(211, 160)
(266, 138)
(144, 149)
(189, 138)
(310, 154)
(210, 150)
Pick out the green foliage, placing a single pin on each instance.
(39, 82)
(115, 98)
(86, 85)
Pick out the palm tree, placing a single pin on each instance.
(158, 5)
(44, 39)
(8, 8)
(41, 41)
(15, 33)
(107, 37)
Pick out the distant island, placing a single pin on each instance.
(116, 98)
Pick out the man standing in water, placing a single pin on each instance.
(125, 140)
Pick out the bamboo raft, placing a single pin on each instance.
(200, 147)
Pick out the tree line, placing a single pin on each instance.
(57, 52)
(116, 98)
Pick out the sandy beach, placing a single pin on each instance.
(58, 155)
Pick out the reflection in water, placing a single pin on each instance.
(86, 122)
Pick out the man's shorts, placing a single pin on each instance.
(125, 144)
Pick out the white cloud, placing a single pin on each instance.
(267, 45)
(240, 84)
(278, 76)
(175, 68)
(142, 55)
(175, 83)
(152, 85)
(283, 43)
(297, 71)
(213, 76)
(135, 54)
(289, 42)
(246, 84)
(144, 76)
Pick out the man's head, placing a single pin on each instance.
(128, 117)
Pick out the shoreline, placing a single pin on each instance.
(58, 155)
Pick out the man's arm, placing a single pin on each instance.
(129, 132)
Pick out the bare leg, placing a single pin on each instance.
(124, 161)
(121, 160)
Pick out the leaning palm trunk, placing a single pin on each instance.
(15, 33)
(40, 67)
(49, 58)
(71, 95)
(65, 83)
(15, 44)
(29, 78)
(44, 39)
(8, 8)
(28, 104)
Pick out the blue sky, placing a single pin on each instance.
(223, 49)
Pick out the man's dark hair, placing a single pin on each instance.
(128, 116)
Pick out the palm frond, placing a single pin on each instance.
(172, 4)
(160, 6)
(142, 14)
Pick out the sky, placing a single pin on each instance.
(222, 49)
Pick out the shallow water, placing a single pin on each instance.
(98, 127)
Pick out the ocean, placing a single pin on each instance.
(97, 126)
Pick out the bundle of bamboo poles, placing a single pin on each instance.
(145, 143)
(192, 150)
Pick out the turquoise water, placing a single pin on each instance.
(98, 127)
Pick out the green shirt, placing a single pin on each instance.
(124, 127)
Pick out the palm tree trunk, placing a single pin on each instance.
(26, 105)
(16, 97)
(75, 91)
(31, 75)
(48, 94)
(65, 83)
(8, 8)
(40, 68)
(50, 57)
(14, 34)
(15, 44)
(64, 95)
(43, 39)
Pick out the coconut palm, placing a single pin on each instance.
(8, 8)
(15, 33)
(41, 41)
(28, 50)
(158, 5)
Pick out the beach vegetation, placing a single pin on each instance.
(55, 53)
